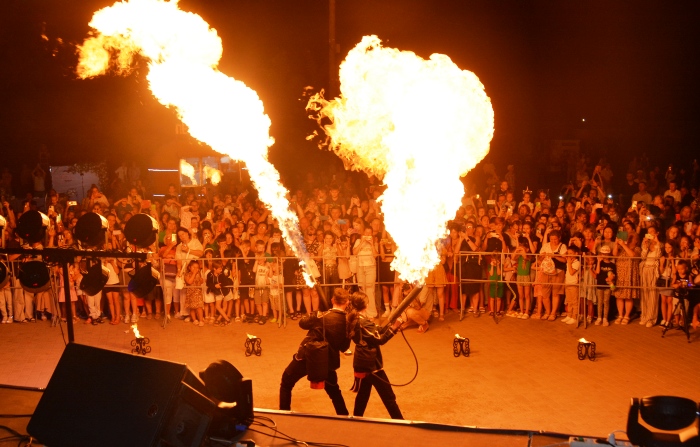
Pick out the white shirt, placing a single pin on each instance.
(365, 257)
(186, 217)
(193, 244)
(675, 194)
(572, 280)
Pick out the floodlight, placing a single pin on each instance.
(94, 279)
(141, 230)
(90, 229)
(663, 421)
(32, 225)
(34, 276)
(143, 280)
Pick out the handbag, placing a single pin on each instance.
(313, 268)
(547, 266)
(365, 359)
(180, 280)
(662, 282)
(352, 262)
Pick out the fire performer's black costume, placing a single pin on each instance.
(336, 334)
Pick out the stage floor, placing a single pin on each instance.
(522, 374)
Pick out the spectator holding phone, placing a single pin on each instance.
(365, 249)
(628, 273)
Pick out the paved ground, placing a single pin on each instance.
(521, 374)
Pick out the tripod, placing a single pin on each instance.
(681, 308)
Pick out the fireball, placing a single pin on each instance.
(417, 124)
(183, 53)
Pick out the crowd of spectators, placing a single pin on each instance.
(508, 251)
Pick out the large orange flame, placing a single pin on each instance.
(183, 53)
(418, 124)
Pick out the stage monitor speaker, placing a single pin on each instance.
(107, 398)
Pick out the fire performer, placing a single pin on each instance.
(368, 362)
(331, 327)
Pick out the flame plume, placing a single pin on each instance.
(183, 53)
(417, 124)
(187, 170)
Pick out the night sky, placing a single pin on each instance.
(629, 68)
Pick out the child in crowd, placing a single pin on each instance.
(496, 286)
(247, 280)
(681, 281)
(216, 289)
(210, 294)
(193, 295)
(587, 289)
(276, 281)
(261, 268)
(231, 292)
(571, 287)
(523, 260)
(605, 282)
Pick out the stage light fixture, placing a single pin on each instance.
(94, 279)
(233, 394)
(31, 226)
(141, 230)
(90, 229)
(143, 280)
(34, 276)
(663, 421)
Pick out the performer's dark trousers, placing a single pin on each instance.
(294, 372)
(383, 389)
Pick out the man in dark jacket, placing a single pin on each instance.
(336, 334)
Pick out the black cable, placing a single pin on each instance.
(16, 415)
(10, 430)
(285, 436)
(15, 435)
(414, 357)
(297, 441)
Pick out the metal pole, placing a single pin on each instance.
(69, 311)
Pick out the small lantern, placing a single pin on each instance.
(252, 345)
(460, 346)
(139, 343)
(586, 349)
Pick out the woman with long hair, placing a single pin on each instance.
(370, 371)
(628, 273)
(649, 273)
(667, 271)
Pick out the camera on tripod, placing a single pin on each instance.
(682, 290)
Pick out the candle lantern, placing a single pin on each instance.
(253, 345)
(140, 343)
(460, 346)
(586, 349)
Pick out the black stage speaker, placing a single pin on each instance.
(106, 398)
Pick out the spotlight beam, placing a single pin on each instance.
(65, 257)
